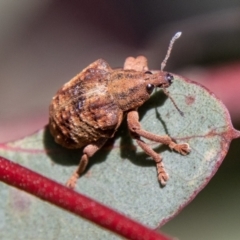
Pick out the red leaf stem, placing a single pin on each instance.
(63, 197)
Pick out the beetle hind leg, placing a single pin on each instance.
(88, 152)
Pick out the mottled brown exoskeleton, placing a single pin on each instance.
(89, 109)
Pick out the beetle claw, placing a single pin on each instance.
(72, 181)
(182, 148)
(163, 177)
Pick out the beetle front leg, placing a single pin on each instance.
(134, 126)
(88, 152)
(137, 132)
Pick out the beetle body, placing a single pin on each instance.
(89, 109)
(92, 105)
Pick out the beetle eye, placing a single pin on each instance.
(148, 72)
(150, 88)
(169, 78)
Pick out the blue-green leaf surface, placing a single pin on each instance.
(120, 175)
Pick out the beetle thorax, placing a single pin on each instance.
(128, 88)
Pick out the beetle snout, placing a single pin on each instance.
(169, 78)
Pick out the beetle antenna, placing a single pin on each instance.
(175, 37)
(174, 103)
(163, 64)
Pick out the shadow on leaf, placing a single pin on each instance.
(70, 157)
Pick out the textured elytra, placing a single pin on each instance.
(72, 109)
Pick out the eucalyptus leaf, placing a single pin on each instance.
(121, 175)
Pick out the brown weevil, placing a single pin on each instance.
(89, 109)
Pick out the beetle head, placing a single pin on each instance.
(157, 79)
(162, 80)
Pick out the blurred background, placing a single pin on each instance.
(44, 43)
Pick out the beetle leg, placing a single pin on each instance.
(137, 132)
(162, 174)
(135, 127)
(88, 152)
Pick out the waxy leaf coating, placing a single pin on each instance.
(120, 175)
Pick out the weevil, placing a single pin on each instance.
(89, 109)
